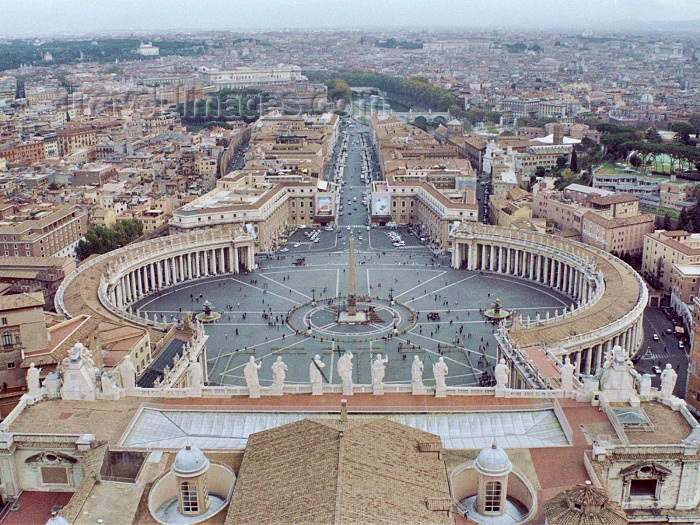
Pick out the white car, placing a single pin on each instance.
(317, 240)
(296, 244)
(349, 228)
(284, 250)
(328, 228)
(368, 228)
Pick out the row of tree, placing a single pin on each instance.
(100, 239)
(18, 52)
(414, 92)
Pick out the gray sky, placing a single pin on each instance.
(29, 17)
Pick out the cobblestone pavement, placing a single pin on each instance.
(416, 279)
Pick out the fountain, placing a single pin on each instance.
(207, 315)
(496, 314)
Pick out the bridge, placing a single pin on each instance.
(437, 117)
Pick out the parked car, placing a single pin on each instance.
(655, 337)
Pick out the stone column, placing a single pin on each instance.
(589, 356)
(236, 263)
(492, 258)
(152, 268)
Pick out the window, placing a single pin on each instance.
(10, 365)
(643, 487)
(6, 339)
(188, 494)
(4, 320)
(492, 497)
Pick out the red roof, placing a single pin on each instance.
(35, 507)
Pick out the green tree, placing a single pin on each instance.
(561, 162)
(694, 120)
(683, 131)
(540, 172)
(668, 223)
(574, 162)
(100, 239)
(652, 135)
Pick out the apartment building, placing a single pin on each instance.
(425, 183)
(35, 274)
(692, 393)
(22, 327)
(280, 187)
(73, 138)
(663, 249)
(604, 219)
(52, 232)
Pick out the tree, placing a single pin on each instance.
(694, 120)
(493, 116)
(683, 131)
(561, 162)
(574, 162)
(652, 135)
(683, 222)
(668, 223)
(100, 239)
(540, 172)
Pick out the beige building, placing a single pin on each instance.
(21, 328)
(606, 220)
(74, 138)
(35, 274)
(672, 193)
(280, 187)
(53, 232)
(663, 249)
(685, 282)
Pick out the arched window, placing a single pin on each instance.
(492, 497)
(6, 339)
(188, 497)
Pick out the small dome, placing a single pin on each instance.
(647, 98)
(55, 519)
(190, 462)
(493, 461)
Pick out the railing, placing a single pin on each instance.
(14, 414)
(563, 421)
(619, 429)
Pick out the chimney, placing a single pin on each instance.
(343, 410)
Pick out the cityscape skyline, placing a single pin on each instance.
(75, 17)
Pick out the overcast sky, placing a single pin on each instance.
(29, 17)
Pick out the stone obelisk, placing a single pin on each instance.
(352, 302)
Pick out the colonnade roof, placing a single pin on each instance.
(622, 290)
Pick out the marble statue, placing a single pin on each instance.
(195, 374)
(417, 371)
(440, 372)
(668, 381)
(33, 386)
(79, 378)
(344, 368)
(378, 371)
(567, 375)
(127, 371)
(250, 372)
(502, 373)
(645, 385)
(618, 376)
(109, 389)
(278, 375)
(315, 377)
